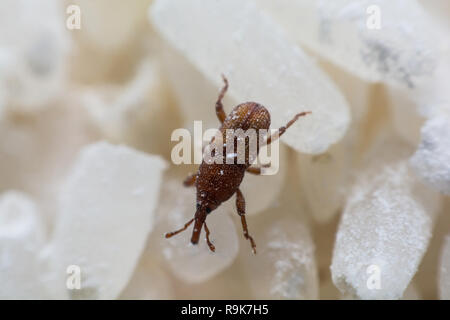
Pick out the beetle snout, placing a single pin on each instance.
(198, 224)
(195, 237)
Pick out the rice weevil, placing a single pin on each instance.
(217, 182)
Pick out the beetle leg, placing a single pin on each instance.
(240, 205)
(254, 170)
(171, 234)
(283, 129)
(257, 170)
(190, 180)
(219, 106)
(210, 245)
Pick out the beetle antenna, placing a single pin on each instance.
(210, 245)
(171, 234)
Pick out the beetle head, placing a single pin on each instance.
(203, 209)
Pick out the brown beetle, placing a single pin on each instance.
(217, 182)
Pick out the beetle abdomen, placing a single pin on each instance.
(248, 115)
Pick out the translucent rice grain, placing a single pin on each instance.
(324, 181)
(444, 270)
(286, 82)
(195, 263)
(139, 113)
(374, 39)
(149, 282)
(385, 229)
(109, 25)
(432, 159)
(22, 239)
(261, 191)
(111, 191)
(34, 47)
(406, 118)
(285, 266)
(195, 95)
